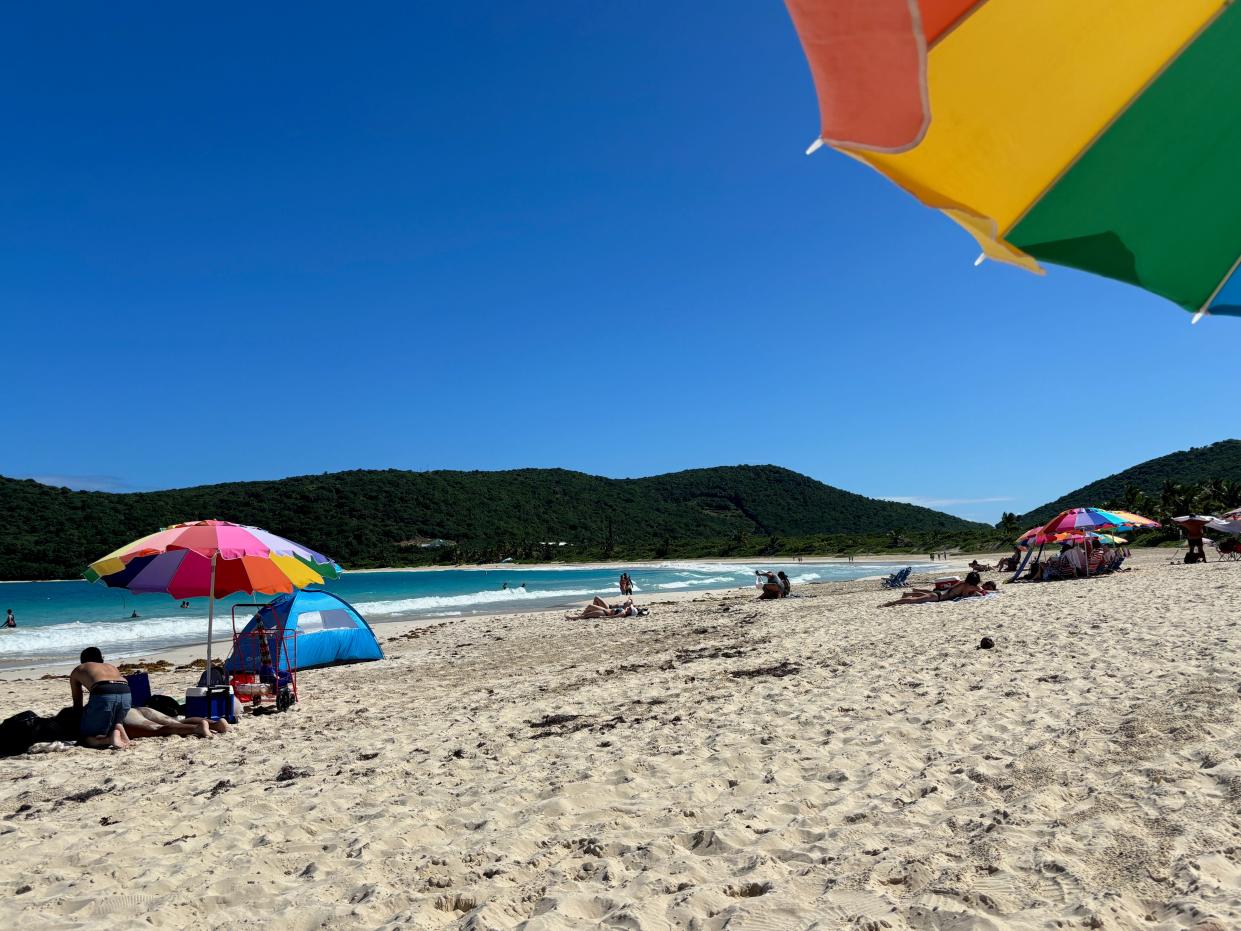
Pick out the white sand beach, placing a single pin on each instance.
(818, 762)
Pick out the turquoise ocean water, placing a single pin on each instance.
(57, 619)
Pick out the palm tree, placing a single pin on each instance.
(1008, 525)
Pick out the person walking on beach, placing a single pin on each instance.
(9, 621)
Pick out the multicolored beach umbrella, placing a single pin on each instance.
(212, 559)
(1098, 134)
(1095, 519)
(1036, 537)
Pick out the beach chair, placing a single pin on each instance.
(1055, 569)
(898, 579)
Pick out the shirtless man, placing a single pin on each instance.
(110, 703)
(107, 706)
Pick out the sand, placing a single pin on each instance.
(818, 762)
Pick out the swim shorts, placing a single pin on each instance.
(108, 704)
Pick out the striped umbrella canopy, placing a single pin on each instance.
(1094, 519)
(1136, 521)
(178, 561)
(1035, 537)
(212, 558)
(1101, 136)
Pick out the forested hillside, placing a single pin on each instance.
(393, 518)
(1201, 479)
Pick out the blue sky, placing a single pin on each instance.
(484, 236)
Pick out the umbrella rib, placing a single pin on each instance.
(1205, 308)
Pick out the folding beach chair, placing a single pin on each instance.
(898, 579)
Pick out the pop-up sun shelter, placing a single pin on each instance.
(329, 632)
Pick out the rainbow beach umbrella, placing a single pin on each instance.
(212, 558)
(1036, 537)
(1095, 519)
(1095, 134)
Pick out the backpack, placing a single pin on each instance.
(18, 733)
(165, 705)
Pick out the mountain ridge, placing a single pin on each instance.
(369, 518)
(1214, 462)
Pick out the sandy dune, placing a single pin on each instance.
(721, 764)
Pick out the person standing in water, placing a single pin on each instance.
(9, 621)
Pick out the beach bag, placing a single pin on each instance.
(165, 705)
(18, 733)
(65, 726)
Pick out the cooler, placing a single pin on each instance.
(214, 702)
(139, 688)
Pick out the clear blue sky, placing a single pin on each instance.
(487, 236)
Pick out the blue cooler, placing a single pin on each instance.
(139, 689)
(212, 702)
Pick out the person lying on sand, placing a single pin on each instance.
(970, 588)
(104, 712)
(980, 567)
(600, 608)
(147, 722)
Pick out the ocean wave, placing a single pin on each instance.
(805, 577)
(709, 567)
(69, 639)
(688, 583)
(495, 596)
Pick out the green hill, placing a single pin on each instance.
(395, 518)
(1200, 479)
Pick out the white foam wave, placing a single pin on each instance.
(70, 639)
(688, 583)
(708, 567)
(805, 577)
(434, 602)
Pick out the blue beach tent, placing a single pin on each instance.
(330, 632)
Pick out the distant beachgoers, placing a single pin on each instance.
(58, 619)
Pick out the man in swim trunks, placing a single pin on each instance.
(108, 704)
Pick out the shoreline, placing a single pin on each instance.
(404, 623)
(619, 564)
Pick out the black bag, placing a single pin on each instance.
(68, 724)
(19, 733)
(164, 705)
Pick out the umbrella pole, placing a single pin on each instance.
(210, 616)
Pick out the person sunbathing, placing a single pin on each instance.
(971, 587)
(598, 608)
(980, 567)
(147, 722)
(1010, 563)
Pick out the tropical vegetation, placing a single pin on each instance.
(397, 518)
